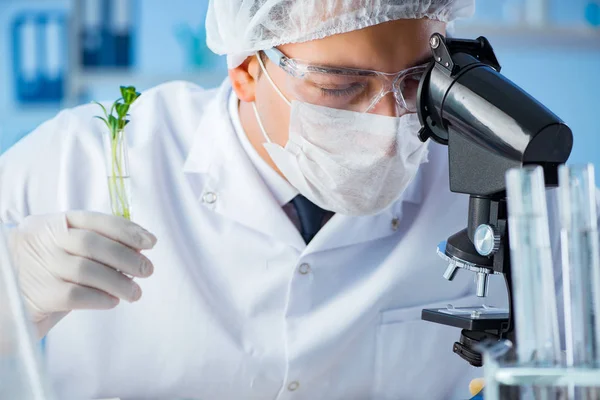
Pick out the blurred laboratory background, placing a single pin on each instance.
(60, 53)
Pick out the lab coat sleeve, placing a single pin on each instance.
(47, 169)
(29, 167)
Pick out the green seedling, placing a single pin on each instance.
(115, 122)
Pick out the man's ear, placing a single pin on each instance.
(244, 79)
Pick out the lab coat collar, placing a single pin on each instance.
(218, 165)
(225, 180)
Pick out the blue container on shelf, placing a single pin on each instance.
(592, 13)
(106, 33)
(574, 13)
(193, 41)
(39, 56)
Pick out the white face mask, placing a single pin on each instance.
(347, 162)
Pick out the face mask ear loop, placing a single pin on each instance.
(260, 125)
(264, 69)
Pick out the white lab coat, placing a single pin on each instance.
(227, 314)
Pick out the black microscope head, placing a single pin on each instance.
(488, 122)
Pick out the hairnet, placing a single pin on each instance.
(239, 28)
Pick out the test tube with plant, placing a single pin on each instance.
(115, 151)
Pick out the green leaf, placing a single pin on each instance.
(103, 120)
(129, 94)
(103, 108)
(122, 109)
(112, 109)
(114, 123)
(127, 89)
(123, 123)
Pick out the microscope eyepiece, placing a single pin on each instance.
(488, 122)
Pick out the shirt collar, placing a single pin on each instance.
(280, 188)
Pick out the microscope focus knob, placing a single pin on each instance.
(486, 240)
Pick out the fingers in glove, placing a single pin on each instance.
(105, 251)
(86, 272)
(77, 297)
(116, 228)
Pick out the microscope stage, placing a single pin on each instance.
(480, 320)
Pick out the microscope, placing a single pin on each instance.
(490, 125)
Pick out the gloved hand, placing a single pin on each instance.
(476, 386)
(78, 260)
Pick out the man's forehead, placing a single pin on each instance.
(381, 61)
(388, 47)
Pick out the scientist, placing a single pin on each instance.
(296, 211)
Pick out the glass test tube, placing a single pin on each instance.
(20, 371)
(116, 155)
(581, 262)
(534, 292)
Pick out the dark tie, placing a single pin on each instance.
(310, 215)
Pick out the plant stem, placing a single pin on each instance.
(121, 158)
(119, 189)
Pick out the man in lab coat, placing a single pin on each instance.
(296, 212)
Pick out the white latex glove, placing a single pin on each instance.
(78, 260)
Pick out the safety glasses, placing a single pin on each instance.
(346, 88)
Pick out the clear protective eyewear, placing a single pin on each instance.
(347, 88)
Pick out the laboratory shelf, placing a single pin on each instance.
(90, 78)
(525, 36)
(83, 84)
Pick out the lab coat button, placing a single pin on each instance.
(209, 197)
(293, 386)
(304, 269)
(395, 224)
